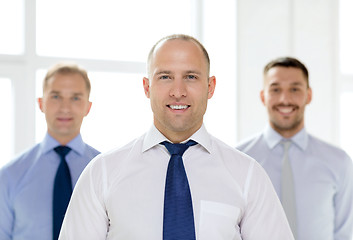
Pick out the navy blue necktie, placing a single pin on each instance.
(62, 190)
(178, 216)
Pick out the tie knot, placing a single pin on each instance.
(178, 148)
(62, 151)
(286, 144)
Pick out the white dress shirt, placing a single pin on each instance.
(323, 182)
(120, 194)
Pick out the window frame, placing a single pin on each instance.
(22, 70)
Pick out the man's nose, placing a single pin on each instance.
(178, 88)
(65, 105)
(285, 97)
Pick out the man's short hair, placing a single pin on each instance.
(66, 68)
(288, 62)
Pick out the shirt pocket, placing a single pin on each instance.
(218, 221)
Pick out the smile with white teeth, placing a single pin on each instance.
(285, 109)
(178, 107)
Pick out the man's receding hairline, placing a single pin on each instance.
(182, 37)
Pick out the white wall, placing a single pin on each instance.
(303, 29)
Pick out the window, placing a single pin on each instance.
(346, 122)
(120, 111)
(108, 29)
(346, 37)
(111, 40)
(346, 74)
(12, 35)
(6, 120)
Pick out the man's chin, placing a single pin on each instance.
(286, 127)
(65, 132)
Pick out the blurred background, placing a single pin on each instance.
(111, 39)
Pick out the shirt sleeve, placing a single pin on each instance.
(264, 217)
(6, 212)
(343, 203)
(86, 216)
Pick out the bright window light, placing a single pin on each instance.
(119, 30)
(11, 27)
(346, 36)
(108, 29)
(6, 121)
(120, 110)
(41, 125)
(346, 122)
(222, 127)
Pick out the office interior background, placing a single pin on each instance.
(111, 39)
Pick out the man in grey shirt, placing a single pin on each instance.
(313, 179)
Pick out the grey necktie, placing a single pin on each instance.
(288, 191)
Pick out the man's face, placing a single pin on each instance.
(285, 96)
(178, 88)
(65, 104)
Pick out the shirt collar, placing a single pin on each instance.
(272, 138)
(49, 143)
(301, 139)
(154, 137)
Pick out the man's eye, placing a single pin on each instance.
(55, 96)
(191, 77)
(164, 77)
(76, 98)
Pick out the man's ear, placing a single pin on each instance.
(262, 97)
(146, 86)
(40, 103)
(88, 108)
(211, 86)
(309, 96)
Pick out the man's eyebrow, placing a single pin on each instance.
(297, 83)
(163, 72)
(275, 84)
(186, 72)
(75, 93)
(193, 71)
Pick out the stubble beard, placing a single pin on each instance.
(283, 127)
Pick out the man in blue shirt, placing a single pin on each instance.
(317, 177)
(27, 182)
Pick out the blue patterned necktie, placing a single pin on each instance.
(62, 190)
(178, 216)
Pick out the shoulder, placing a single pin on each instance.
(326, 150)
(17, 168)
(243, 167)
(219, 145)
(90, 151)
(230, 155)
(106, 167)
(330, 157)
(250, 143)
(114, 158)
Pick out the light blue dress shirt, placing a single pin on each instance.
(323, 178)
(26, 188)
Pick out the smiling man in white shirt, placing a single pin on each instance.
(121, 194)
